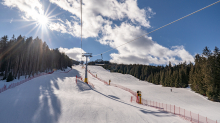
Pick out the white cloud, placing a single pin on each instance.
(99, 18)
(32, 8)
(58, 27)
(11, 20)
(142, 51)
(97, 13)
(73, 53)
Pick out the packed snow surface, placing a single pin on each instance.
(181, 97)
(58, 98)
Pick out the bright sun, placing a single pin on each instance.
(43, 20)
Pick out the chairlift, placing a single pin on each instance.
(99, 61)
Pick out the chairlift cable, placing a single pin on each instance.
(160, 27)
(81, 28)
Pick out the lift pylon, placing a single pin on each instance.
(86, 55)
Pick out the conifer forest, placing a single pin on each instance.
(27, 57)
(203, 76)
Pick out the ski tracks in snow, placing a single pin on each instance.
(56, 98)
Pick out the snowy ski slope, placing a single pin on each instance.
(183, 97)
(57, 98)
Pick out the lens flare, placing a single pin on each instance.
(42, 20)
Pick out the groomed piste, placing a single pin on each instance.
(58, 98)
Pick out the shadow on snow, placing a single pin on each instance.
(34, 101)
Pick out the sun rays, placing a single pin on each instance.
(42, 20)
(36, 20)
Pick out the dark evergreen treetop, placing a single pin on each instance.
(203, 76)
(27, 56)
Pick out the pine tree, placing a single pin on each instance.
(191, 74)
(23, 56)
(161, 77)
(10, 77)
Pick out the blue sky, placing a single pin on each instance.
(110, 23)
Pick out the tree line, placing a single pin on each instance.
(27, 57)
(98, 62)
(203, 76)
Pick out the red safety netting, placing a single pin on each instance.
(185, 114)
(119, 86)
(82, 80)
(12, 85)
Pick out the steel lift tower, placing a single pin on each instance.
(86, 55)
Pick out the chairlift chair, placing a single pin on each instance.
(99, 61)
